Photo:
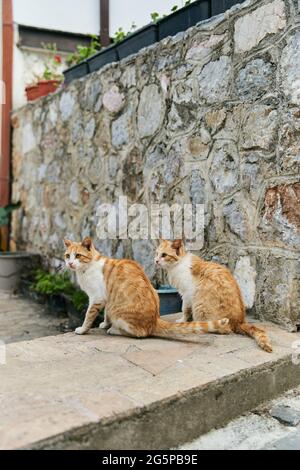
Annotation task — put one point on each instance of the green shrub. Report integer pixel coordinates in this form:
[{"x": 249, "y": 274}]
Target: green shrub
[{"x": 58, "y": 284}]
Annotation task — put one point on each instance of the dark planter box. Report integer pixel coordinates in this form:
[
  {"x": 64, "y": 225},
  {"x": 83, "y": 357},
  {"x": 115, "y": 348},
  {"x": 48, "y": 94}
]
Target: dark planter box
[
  {"x": 77, "y": 71},
  {"x": 135, "y": 42},
  {"x": 219, "y": 6},
  {"x": 26, "y": 290},
  {"x": 56, "y": 305},
  {"x": 184, "y": 18},
  {"x": 170, "y": 300},
  {"x": 107, "y": 56}
]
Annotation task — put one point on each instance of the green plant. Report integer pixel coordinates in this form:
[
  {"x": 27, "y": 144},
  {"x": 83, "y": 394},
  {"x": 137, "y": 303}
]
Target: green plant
[
  {"x": 59, "y": 284},
  {"x": 121, "y": 34},
  {"x": 52, "y": 284},
  {"x": 79, "y": 299},
  {"x": 84, "y": 52},
  {"x": 155, "y": 17},
  {"x": 5, "y": 213}
]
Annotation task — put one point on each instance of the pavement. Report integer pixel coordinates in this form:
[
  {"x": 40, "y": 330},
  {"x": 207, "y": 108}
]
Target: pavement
[
  {"x": 22, "y": 319},
  {"x": 104, "y": 392},
  {"x": 273, "y": 426}
]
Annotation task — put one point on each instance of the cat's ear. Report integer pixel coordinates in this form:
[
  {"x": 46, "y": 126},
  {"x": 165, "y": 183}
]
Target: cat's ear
[
  {"x": 67, "y": 242},
  {"x": 87, "y": 243},
  {"x": 177, "y": 245}
]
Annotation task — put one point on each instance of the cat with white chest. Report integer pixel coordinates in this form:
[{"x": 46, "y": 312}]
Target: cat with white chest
[{"x": 131, "y": 303}]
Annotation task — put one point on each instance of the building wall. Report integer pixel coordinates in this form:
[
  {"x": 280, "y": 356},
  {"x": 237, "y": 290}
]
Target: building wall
[
  {"x": 29, "y": 63},
  {"x": 210, "y": 116},
  {"x": 75, "y": 16},
  {"x": 124, "y": 13}
]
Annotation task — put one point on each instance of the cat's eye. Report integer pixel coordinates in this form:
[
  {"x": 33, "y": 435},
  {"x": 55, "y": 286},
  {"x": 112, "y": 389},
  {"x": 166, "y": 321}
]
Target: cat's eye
[
  {"x": 164, "y": 255},
  {"x": 77, "y": 256},
  {"x": 68, "y": 256}
]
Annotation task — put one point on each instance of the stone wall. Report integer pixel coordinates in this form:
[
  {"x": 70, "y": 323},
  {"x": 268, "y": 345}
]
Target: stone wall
[{"x": 209, "y": 116}]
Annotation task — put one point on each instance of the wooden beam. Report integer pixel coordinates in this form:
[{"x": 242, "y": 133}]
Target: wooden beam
[
  {"x": 30, "y": 36},
  {"x": 104, "y": 23}
]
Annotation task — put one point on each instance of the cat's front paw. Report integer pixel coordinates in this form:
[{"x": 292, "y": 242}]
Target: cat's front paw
[
  {"x": 80, "y": 331},
  {"x": 180, "y": 320},
  {"x": 104, "y": 325}
]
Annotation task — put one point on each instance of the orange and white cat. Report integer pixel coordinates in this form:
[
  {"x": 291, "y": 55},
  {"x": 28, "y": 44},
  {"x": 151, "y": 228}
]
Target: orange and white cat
[
  {"x": 123, "y": 289},
  {"x": 209, "y": 291}
]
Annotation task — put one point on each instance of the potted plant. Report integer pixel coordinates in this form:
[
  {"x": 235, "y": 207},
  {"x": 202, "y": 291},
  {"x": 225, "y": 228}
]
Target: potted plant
[
  {"x": 60, "y": 295},
  {"x": 77, "y": 62},
  {"x": 169, "y": 299},
  {"x": 50, "y": 79},
  {"x": 11, "y": 263}
]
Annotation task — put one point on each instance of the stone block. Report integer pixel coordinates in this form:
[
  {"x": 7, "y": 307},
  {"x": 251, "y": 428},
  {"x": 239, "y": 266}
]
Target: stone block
[
  {"x": 286, "y": 415},
  {"x": 252, "y": 28}
]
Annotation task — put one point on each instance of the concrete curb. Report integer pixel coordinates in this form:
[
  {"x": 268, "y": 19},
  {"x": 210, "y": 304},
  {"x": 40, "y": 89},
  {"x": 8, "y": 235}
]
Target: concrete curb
[{"x": 185, "y": 416}]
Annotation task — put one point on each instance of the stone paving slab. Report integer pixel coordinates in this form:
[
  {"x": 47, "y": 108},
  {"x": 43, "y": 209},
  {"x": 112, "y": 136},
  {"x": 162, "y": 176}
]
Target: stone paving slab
[
  {"x": 104, "y": 392},
  {"x": 21, "y": 319}
]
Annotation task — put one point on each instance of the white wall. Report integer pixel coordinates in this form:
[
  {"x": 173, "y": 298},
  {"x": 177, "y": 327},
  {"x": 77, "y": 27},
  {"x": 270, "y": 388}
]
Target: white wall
[
  {"x": 124, "y": 12},
  {"x": 75, "y": 16},
  {"x": 28, "y": 65},
  {"x": 83, "y": 16}
]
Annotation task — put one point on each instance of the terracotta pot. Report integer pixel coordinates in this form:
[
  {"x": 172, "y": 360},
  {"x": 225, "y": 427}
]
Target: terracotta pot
[
  {"x": 43, "y": 88},
  {"x": 32, "y": 92}
]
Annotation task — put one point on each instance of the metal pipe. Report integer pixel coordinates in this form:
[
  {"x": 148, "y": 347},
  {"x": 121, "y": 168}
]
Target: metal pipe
[
  {"x": 7, "y": 76},
  {"x": 104, "y": 23}
]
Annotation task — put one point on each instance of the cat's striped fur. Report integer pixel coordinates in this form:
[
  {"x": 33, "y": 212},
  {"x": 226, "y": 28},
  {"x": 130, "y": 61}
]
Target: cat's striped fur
[
  {"x": 209, "y": 290},
  {"x": 123, "y": 289}
]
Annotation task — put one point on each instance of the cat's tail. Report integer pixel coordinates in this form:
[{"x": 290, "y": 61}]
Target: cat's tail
[
  {"x": 166, "y": 329},
  {"x": 256, "y": 333}
]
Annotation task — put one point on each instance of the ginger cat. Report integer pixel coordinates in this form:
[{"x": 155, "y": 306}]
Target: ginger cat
[
  {"x": 209, "y": 290},
  {"x": 131, "y": 303}
]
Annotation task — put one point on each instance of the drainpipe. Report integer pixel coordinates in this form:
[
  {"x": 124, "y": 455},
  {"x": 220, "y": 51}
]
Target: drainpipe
[
  {"x": 7, "y": 71},
  {"x": 104, "y": 23}
]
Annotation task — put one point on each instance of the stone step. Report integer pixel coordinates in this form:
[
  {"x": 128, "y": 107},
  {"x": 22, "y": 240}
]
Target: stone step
[{"x": 104, "y": 392}]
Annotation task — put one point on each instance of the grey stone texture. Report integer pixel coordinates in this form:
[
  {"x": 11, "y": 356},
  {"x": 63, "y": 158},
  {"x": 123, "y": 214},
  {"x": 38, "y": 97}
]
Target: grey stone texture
[
  {"x": 286, "y": 415},
  {"x": 109, "y": 392},
  {"x": 210, "y": 116},
  {"x": 257, "y": 430}
]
